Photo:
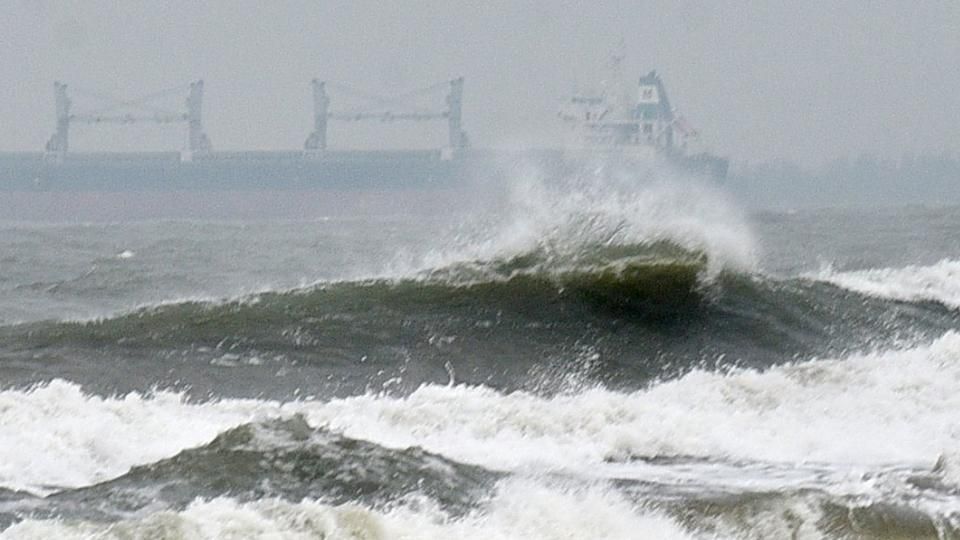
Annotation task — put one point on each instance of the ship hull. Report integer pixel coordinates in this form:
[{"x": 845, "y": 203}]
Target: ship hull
[
  {"x": 225, "y": 185},
  {"x": 250, "y": 185}
]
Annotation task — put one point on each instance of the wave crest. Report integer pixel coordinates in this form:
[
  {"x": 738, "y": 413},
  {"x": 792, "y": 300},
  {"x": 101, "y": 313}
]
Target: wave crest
[
  {"x": 572, "y": 217},
  {"x": 939, "y": 282}
]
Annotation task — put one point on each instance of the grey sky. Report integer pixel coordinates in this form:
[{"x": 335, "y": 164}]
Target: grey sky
[{"x": 808, "y": 80}]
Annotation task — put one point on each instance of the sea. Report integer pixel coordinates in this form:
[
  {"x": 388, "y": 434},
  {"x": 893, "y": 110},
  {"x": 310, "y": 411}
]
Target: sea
[{"x": 585, "y": 357}]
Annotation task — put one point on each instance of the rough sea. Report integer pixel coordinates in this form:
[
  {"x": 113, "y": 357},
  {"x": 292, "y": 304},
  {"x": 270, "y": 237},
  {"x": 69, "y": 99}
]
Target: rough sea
[{"x": 587, "y": 359}]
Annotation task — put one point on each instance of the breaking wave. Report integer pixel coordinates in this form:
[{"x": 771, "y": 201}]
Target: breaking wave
[
  {"x": 789, "y": 440},
  {"x": 622, "y": 315},
  {"x": 518, "y": 509},
  {"x": 936, "y": 283},
  {"x": 791, "y": 413}
]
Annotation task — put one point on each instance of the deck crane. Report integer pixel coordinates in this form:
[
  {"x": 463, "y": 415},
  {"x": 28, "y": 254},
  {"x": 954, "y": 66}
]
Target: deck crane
[
  {"x": 130, "y": 111},
  {"x": 397, "y": 108}
]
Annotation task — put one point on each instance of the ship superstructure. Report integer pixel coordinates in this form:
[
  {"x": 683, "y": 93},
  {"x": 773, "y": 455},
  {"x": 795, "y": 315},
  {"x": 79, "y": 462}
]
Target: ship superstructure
[{"x": 634, "y": 122}]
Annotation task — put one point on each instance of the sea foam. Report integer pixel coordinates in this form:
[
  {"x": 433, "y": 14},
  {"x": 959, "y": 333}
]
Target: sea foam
[
  {"x": 866, "y": 410},
  {"x": 939, "y": 282},
  {"x": 55, "y": 435},
  {"x": 891, "y": 407},
  {"x": 519, "y": 509}
]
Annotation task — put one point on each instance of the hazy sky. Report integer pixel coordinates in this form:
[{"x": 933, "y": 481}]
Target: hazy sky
[{"x": 807, "y": 80}]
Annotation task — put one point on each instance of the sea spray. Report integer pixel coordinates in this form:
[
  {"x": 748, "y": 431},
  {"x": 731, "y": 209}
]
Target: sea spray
[{"x": 563, "y": 216}]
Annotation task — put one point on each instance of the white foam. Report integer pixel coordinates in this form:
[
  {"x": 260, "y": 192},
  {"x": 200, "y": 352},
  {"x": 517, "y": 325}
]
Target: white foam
[
  {"x": 893, "y": 407},
  {"x": 57, "y": 436},
  {"x": 939, "y": 282},
  {"x": 897, "y": 407},
  {"x": 948, "y": 468},
  {"x": 519, "y": 510}
]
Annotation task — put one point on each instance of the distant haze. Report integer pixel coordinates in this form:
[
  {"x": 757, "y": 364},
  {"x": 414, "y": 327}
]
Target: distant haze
[{"x": 806, "y": 81}]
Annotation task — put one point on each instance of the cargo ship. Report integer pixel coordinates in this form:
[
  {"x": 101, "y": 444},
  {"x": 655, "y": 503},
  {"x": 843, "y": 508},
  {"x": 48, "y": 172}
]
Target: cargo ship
[{"x": 58, "y": 184}]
